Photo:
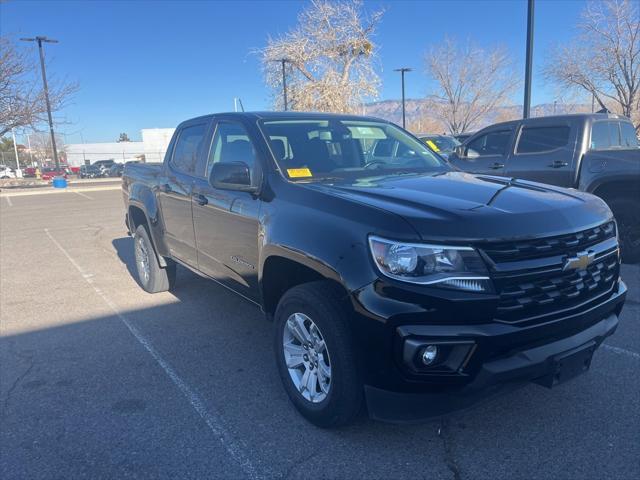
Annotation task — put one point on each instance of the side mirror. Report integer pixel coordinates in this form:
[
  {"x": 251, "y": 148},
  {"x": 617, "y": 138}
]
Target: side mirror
[
  {"x": 459, "y": 151},
  {"x": 231, "y": 176}
]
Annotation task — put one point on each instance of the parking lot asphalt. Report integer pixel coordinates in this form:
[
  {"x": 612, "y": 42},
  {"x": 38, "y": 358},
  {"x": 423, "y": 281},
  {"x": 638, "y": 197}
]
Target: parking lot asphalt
[{"x": 99, "y": 379}]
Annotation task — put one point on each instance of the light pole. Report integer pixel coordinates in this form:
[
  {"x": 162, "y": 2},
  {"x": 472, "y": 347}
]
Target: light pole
[
  {"x": 15, "y": 149},
  {"x": 40, "y": 41},
  {"x": 30, "y": 152},
  {"x": 402, "y": 71},
  {"x": 283, "y": 61},
  {"x": 529, "y": 61}
]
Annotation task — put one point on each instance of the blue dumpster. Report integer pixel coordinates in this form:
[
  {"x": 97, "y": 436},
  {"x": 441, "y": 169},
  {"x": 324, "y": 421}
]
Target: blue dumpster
[{"x": 59, "y": 182}]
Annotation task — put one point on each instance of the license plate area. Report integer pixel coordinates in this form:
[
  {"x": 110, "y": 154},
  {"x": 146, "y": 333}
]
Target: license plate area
[{"x": 568, "y": 365}]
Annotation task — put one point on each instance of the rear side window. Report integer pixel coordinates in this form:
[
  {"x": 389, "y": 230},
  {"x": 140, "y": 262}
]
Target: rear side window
[
  {"x": 628, "y": 135},
  {"x": 605, "y": 135},
  {"x": 542, "y": 139},
  {"x": 493, "y": 143},
  {"x": 185, "y": 153}
]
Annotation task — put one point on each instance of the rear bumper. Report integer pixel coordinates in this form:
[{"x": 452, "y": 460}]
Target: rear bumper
[{"x": 532, "y": 357}]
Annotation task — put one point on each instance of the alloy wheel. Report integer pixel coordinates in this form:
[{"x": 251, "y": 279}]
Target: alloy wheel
[{"x": 307, "y": 357}]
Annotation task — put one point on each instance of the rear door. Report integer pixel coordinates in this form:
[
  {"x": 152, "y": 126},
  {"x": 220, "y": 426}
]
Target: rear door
[
  {"x": 226, "y": 222},
  {"x": 486, "y": 152},
  {"x": 175, "y": 189},
  {"x": 544, "y": 152}
]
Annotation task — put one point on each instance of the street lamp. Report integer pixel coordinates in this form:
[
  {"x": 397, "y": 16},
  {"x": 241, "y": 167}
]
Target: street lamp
[
  {"x": 528, "y": 61},
  {"x": 402, "y": 71},
  {"x": 283, "y": 61},
  {"x": 40, "y": 41}
]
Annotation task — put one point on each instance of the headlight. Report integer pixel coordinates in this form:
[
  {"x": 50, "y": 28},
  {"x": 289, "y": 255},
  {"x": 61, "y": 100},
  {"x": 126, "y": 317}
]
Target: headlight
[{"x": 460, "y": 268}]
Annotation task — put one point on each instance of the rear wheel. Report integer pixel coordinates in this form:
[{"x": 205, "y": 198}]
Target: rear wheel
[
  {"x": 315, "y": 355},
  {"x": 151, "y": 276},
  {"x": 627, "y": 214}
]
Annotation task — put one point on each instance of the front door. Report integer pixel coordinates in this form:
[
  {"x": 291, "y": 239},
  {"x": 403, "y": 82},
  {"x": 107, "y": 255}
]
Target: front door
[
  {"x": 226, "y": 222},
  {"x": 175, "y": 189},
  {"x": 544, "y": 153},
  {"x": 485, "y": 153}
]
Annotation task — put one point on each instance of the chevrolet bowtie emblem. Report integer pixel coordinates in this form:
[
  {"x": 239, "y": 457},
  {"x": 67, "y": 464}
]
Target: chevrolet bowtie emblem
[{"x": 580, "y": 262}]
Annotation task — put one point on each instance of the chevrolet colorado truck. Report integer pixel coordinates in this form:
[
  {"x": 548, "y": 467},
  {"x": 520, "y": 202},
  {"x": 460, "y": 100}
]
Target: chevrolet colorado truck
[
  {"x": 393, "y": 282},
  {"x": 597, "y": 153}
]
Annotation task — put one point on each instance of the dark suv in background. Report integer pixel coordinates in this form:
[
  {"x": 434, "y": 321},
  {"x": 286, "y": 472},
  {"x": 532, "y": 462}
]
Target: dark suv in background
[{"x": 595, "y": 153}]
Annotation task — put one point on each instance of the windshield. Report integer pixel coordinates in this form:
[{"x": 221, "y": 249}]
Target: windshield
[
  {"x": 335, "y": 148},
  {"x": 443, "y": 143}
]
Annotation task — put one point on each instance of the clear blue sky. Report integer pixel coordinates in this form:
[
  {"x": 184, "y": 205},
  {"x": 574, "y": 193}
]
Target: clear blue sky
[{"x": 152, "y": 64}]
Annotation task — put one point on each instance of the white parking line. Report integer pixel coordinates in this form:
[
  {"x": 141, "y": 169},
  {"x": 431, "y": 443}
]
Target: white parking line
[
  {"x": 621, "y": 351},
  {"x": 9, "y": 201},
  {"x": 81, "y": 194},
  {"x": 212, "y": 419}
]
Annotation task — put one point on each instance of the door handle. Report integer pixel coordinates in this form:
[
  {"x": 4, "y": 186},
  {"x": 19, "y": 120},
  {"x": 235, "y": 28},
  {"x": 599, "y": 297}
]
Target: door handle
[
  {"x": 200, "y": 199},
  {"x": 164, "y": 188},
  {"x": 496, "y": 166},
  {"x": 559, "y": 164}
]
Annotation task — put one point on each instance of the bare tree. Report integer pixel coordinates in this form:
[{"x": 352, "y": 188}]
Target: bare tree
[
  {"x": 604, "y": 58},
  {"x": 471, "y": 82},
  {"x": 329, "y": 58},
  {"x": 41, "y": 147},
  {"x": 22, "y": 101}
]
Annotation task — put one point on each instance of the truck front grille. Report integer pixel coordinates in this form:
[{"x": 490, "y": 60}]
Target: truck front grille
[
  {"x": 547, "y": 247},
  {"x": 542, "y": 294}
]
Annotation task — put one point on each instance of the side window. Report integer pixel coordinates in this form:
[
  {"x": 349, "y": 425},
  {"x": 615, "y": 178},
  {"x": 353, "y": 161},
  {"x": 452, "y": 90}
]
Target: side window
[
  {"x": 614, "y": 134},
  {"x": 600, "y": 136},
  {"x": 231, "y": 143},
  {"x": 185, "y": 153},
  {"x": 628, "y": 134},
  {"x": 605, "y": 135},
  {"x": 542, "y": 139},
  {"x": 493, "y": 143}
]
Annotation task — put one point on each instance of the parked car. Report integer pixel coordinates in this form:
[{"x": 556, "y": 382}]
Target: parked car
[
  {"x": 595, "y": 153},
  {"x": 49, "y": 172},
  {"x": 116, "y": 170},
  {"x": 441, "y": 144},
  {"x": 104, "y": 165},
  {"x": 393, "y": 278},
  {"x": 6, "y": 172},
  {"x": 90, "y": 171}
]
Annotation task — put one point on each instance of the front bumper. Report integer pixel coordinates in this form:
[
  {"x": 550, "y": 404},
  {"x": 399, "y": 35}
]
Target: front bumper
[{"x": 504, "y": 357}]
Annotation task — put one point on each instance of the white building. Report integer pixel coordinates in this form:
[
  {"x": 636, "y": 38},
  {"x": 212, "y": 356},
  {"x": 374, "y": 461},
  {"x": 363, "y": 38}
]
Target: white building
[
  {"x": 156, "y": 141},
  {"x": 153, "y": 146}
]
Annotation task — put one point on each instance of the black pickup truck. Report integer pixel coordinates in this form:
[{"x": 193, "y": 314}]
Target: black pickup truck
[
  {"x": 393, "y": 281},
  {"x": 596, "y": 153}
]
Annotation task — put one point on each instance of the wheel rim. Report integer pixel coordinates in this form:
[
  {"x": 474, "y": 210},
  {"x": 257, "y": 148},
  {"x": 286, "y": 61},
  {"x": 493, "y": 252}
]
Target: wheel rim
[
  {"x": 307, "y": 357},
  {"x": 142, "y": 257}
]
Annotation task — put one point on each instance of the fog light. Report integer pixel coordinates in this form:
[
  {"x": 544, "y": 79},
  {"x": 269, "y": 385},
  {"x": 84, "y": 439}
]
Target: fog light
[{"x": 429, "y": 354}]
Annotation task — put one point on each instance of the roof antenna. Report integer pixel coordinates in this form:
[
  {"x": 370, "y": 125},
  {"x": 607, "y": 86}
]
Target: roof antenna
[{"x": 241, "y": 105}]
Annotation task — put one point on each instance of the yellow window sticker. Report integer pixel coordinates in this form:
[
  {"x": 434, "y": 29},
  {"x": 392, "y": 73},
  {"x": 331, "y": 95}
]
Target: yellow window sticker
[
  {"x": 433, "y": 146},
  {"x": 299, "y": 172}
]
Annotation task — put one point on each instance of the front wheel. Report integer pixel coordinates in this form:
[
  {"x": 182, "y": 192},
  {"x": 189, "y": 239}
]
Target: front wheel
[
  {"x": 316, "y": 356},
  {"x": 627, "y": 214},
  {"x": 151, "y": 276}
]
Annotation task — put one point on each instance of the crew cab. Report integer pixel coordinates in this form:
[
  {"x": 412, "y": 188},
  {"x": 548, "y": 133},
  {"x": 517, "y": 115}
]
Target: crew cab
[
  {"x": 596, "y": 153},
  {"x": 392, "y": 280}
]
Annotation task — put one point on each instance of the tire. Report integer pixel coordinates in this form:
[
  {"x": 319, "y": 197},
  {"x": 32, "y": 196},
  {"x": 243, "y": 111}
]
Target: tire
[
  {"x": 627, "y": 214},
  {"x": 151, "y": 276},
  {"x": 338, "y": 401}
]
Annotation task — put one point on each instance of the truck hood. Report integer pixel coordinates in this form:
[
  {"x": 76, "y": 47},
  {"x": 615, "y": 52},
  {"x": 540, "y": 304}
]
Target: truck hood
[{"x": 458, "y": 206}]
